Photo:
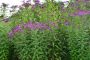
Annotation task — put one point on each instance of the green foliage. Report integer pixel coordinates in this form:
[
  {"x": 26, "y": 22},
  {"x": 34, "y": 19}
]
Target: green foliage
[
  {"x": 4, "y": 46},
  {"x": 78, "y": 45},
  {"x": 37, "y": 45},
  {"x": 70, "y": 40}
]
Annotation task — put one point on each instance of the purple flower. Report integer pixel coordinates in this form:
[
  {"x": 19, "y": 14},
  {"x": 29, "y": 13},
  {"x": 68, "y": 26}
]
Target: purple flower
[
  {"x": 36, "y": 25},
  {"x": 80, "y": 13},
  {"x": 37, "y": 2},
  {"x": 29, "y": 25},
  {"x": 17, "y": 29},
  {"x": 44, "y": 26}
]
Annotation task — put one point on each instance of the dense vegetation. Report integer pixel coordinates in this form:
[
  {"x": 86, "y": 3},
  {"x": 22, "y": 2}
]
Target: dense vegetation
[{"x": 47, "y": 32}]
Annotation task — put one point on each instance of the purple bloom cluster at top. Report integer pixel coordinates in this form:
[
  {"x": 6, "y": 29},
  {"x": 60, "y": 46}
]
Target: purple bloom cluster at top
[
  {"x": 80, "y": 13},
  {"x": 36, "y": 25},
  {"x": 28, "y": 25}
]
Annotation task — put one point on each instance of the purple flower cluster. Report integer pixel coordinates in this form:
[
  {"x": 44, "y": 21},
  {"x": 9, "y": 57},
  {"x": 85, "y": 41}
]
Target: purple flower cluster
[
  {"x": 36, "y": 25},
  {"x": 80, "y": 13},
  {"x": 15, "y": 30},
  {"x": 28, "y": 25}
]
